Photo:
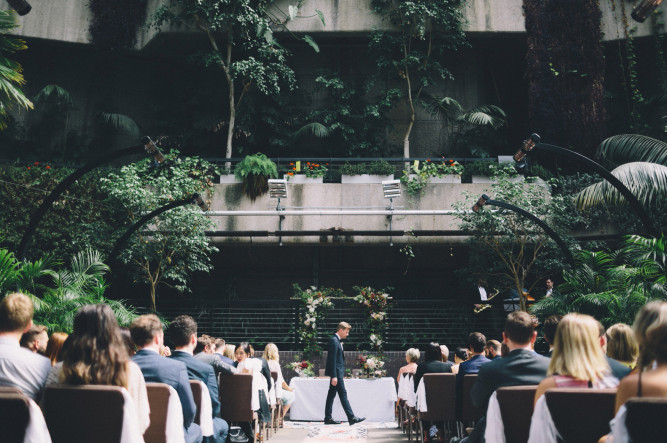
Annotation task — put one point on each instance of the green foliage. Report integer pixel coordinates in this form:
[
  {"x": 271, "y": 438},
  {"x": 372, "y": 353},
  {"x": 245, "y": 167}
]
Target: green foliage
[
  {"x": 376, "y": 302},
  {"x": 625, "y": 148},
  {"x": 415, "y": 177},
  {"x": 11, "y": 77},
  {"x": 315, "y": 304},
  {"x": 115, "y": 23},
  {"x": 255, "y": 171},
  {"x": 379, "y": 167}
]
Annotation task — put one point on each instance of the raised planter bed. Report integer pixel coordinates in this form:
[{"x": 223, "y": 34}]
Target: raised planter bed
[
  {"x": 302, "y": 179},
  {"x": 365, "y": 178}
]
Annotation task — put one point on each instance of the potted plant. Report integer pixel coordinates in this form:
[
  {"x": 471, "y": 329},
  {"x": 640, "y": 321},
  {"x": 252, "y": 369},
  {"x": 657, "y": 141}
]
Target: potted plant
[
  {"x": 312, "y": 172},
  {"x": 481, "y": 171},
  {"x": 255, "y": 171},
  {"x": 375, "y": 172},
  {"x": 417, "y": 176}
]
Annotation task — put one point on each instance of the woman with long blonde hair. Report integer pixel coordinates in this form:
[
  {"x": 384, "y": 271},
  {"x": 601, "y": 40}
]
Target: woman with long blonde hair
[{"x": 283, "y": 391}]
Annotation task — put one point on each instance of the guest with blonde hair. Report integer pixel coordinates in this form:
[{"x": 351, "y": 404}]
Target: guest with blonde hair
[
  {"x": 229, "y": 351},
  {"x": 283, "y": 391},
  {"x": 411, "y": 358},
  {"x": 622, "y": 345},
  {"x": 54, "y": 347}
]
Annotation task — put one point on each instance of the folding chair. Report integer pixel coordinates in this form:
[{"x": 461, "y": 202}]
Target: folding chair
[
  {"x": 204, "y": 414},
  {"x": 469, "y": 413},
  {"x": 166, "y": 414},
  {"x": 440, "y": 402},
  {"x": 581, "y": 415},
  {"x": 14, "y": 415},
  {"x": 516, "y": 408},
  {"x": 236, "y": 400},
  {"x": 645, "y": 418},
  {"x": 277, "y": 415}
]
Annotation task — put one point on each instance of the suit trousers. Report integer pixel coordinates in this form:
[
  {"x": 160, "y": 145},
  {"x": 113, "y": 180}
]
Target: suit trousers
[{"x": 342, "y": 396}]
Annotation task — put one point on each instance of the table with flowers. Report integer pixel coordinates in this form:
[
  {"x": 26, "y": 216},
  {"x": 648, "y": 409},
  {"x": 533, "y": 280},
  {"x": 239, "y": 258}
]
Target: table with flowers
[{"x": 373, "y": 398}]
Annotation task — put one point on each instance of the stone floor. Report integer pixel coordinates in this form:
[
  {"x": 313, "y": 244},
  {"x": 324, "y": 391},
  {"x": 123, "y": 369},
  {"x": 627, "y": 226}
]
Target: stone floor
[{"x": 311, "y": 432}]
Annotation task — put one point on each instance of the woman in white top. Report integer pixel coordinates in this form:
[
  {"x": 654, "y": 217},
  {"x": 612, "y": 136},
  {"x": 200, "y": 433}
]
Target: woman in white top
[
  {"x": 283, "y": 392},
  {"x": 260, "y": 388}
]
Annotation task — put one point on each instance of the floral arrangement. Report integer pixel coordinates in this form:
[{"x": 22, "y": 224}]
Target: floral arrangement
[
  {"x": 377, "y": 304},
  {"x": 371, "y": 365},
  {"x": 310, "y": 170},
  {"x": 315, "y": 303},
  {"x": 422, "y": 175},
  {"x": 303, "y": 368}
]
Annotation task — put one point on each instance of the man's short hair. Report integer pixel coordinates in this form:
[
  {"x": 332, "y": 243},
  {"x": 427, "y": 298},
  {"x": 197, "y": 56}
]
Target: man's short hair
[
  {"x": 220, "y": 344},
  {"x": 144, "y": 329},
  {"x": 343, "y": 325},
  {"x": 495, "y": 345},
  {"x": 549, "y": 327},
  {"x": 202, "y": 342},
  {"x": 31, "y": 335},
  {"x": 181, "y": 330},
  {"x": 519, "y": 327},
  {"x": 477, "y": 341},
  {"x": 16, "y": 312}
]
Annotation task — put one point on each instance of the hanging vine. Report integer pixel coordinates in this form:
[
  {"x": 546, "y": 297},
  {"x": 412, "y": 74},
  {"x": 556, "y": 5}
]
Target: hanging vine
[{"x": 116, "y": 22}]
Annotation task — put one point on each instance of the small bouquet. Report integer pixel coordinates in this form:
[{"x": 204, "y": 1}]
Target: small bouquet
[
  {"x": 302, "y": 368},
  {"x": 372, "y": 366}
]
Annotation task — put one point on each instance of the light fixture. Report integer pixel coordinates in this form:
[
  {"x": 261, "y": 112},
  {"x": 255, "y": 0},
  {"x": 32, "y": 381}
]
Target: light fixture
[
  {"x": 277, "y": 188},
  {"x": 481, "y": 202},
  {"x": 391, "y": 188},
  {"x": 153, "y": 150},
  {"x": 528, "y": 146},
  {"x": 21, "y": 7},
  {"x": 200, "y": 202},
  {"x": 643, "y": 9}
]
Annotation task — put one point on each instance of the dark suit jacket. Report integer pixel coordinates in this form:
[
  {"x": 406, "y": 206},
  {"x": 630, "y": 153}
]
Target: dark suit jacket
[
  {"x": 467, "y": 367},
  {"x": 520, "y": 367},
  {"x": 158, "y": 369},
  {"x": 198, "y": 370},
  {"x": 266, "y": 372},
  {"x": 335, "y": 359},
  {"x": 618, "y": 369},
  {"x": 227, "y": 360},
  {"x": 431, "y": 367}
]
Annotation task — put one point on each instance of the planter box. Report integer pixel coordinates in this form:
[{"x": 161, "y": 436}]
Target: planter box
[
  {"x": 229, "y": 178},
  {"x": 449, "y": 178},
  {"x": 302, "y": 179},
  {"x": 483, "y": 179},
  {"x": 365, "y": 178}
]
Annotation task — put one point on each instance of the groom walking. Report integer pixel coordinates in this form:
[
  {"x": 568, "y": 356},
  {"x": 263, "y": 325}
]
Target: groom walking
[{"x": 336, "y": 370}]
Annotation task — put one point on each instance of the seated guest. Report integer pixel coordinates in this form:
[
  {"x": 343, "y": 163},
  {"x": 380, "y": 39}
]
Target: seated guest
[
  {"x": 127, "y": 338},
  {"x": 432, "y": 364},
  {"x": 230, "y": 351},
  {"x": 444, "y": 350},
  {"x": 650, "y": 377},
  {"x": 521, "y": 366},
  {"x": 148, "y": 336},
  {"x": 618, "y": 369},
  {"x": 493, "y": 349},
  {"x": 286, "y": 394},
  {"x": 183, "y": 333},
  {"x": 220, "y": 347},
  {"x": 476, "y": 345},
  {"x": 549, "y": 330},
  {"x": 266, "y": 372},
  {"x": 20, "y": 367},
  {"x": 35, "y": 339},
  {"x": 460, "y": 355},
  {"x": 54, "y": 347},
  {"x": 621, "y": 344},
  {"x": 260, "y": 392},
  {"x": 411, "y": 358},
  {"x": 204, "y": 353},
  {"x": 95, "y": 354}
]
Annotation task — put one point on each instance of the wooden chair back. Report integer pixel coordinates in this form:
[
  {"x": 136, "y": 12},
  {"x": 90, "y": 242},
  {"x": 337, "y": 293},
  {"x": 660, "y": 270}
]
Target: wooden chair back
[
  {"x": 468, "y": 410},
  {"x": 236, "y": 397},
  {"x": 516, "y": 409},
  {"x": 274, "y": 376},
  {"x": 440, "y": 397},
  {"x": 196, "y": 394},
  {"x": 581, "y": 415},
  {"x": 645, "y": 418},
  {"x": 158, "y": 401},
  {"x": 14, "y": 415},
  {"x": 86, "y": 413}
]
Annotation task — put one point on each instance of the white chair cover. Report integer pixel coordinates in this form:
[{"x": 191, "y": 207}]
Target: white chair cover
[
  {"x": 206, "y": 413},
  {"x": 175, "y": 432},
  {"x": 402, "y": 385},
  {"x": 272, "y": 393},
  {"x": 421, "y": 397},
  {"x": 495, "y": 429},
  {"x": 619, "y": 431},
  {"x": 542, "y": 427},
  {"x": 130, "y": 432},
  {"x": 36, "y": 431},
  {"x": 411, "y": 397}
]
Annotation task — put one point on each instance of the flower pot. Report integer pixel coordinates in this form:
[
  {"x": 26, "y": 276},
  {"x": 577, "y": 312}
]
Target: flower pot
[
  {"x": 365, "y": 178},
  {"x": 302, "y": 179},
  {"x": 229, "y": 178}
]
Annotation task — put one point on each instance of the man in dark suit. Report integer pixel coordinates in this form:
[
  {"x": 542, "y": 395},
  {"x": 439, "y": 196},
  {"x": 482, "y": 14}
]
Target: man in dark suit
[
  {"x": 204, "y": 353},
  {"x": 522, "y": 366},
  {"x": 432, "y": 364},
  {"x": 148, "y": 336},
  {"x": 336, "y": 370},
  {"x": 183, "y": 333},
  {"x": 493, "y": 349},
  {"x": 476, "y": 345}
]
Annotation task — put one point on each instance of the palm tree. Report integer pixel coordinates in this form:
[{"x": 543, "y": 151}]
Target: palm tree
[{"x": 11, "y": 78}]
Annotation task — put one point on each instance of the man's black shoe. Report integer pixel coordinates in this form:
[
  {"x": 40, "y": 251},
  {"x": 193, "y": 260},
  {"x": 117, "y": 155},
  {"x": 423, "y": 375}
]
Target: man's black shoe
[
  {"x": 355, "y": 420},
  {"x": 331, "y": 421}
]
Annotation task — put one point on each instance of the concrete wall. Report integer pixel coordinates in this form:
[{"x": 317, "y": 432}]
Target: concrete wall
[{"x": 69, "y": 21}]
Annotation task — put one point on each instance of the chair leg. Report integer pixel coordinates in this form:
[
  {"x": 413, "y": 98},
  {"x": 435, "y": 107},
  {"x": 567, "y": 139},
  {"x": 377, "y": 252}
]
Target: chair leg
[{"x": 421, "y": 431}]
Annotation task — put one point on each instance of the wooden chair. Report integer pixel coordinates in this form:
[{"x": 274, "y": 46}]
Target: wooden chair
[
  {"x": 166, "y": 414},
  {"x": 277, "y": 415},
  {"x": 516, "y": 409},
  {"x": 202, "y": 399},
  {"x": 645, "y": 419},
  {"x": 236, "y": 400},
  {"x": 581, "y": 415},
  {"x": 440, "y": 401},
  {"x": 469, "y": 412},
  {"x": 14, "y": 415},
  {"x": 82, "y": 414}
]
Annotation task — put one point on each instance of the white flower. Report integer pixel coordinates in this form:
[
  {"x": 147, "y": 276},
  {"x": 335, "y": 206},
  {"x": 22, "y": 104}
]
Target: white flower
[
  {"x": 311, "y": 309},
  {"x": 307, "y": 322}
]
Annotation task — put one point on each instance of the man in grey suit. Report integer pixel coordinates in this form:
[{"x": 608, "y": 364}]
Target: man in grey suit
[
  {"x": 522, "y": 366},
  {"x": 204, "y": 354},
  {"x": 336, "y": 370}
]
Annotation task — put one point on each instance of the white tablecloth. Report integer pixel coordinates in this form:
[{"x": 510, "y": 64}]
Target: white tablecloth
[{"x": 374, "y": 399}]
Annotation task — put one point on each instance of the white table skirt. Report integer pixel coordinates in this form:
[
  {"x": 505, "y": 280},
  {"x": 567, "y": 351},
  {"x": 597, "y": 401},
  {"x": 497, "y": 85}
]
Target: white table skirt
[{"x": 374, "y": 399}]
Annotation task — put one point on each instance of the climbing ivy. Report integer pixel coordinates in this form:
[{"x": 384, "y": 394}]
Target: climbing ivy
[{"x": 116, "y": 22}]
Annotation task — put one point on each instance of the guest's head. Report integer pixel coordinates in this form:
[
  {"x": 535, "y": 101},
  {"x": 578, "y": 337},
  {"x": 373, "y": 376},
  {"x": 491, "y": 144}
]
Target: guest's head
[
  {"x": 444, "y": 350},
  {"x": 35, "y": 339},
  {"x": 651, "y": 333},
  {"x": 549, "y": 328},
  {"x": 271, "y": 352},
  {"x": 219, "y": 345},
  {"x": 343, "y": 329},
  {"x": 146, "y": 331},
  {"x": 433, "y": 352},
  {"x": 129, "y": 343},
  {"x": 504, "y": 350},
  {"x": 476, "y": 342},
  {"x": 203, "y": 345},
  {"x": 519, "y": 330},
  {"x": 412, "y": 355},
  {"x": 242, "y": 351},
  {"x": 15, "y": 313},
  {"x": 492, "y": 348},
  {"x": 95, "y": 352},
  {"x": 577, "y": 351},
  {"x": 183, "y": 333},
  {"x": 229, "y": 351},
  {"x": 460, "y": 355},
  {"x": 621, "y": 343},
  {"x": 55, "y": 346}
]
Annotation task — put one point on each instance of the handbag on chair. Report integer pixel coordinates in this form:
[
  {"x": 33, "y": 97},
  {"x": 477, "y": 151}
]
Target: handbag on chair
[{"x": 236, "y": 435}]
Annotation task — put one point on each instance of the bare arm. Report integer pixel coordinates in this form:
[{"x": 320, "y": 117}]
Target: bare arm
[{"x": 545, "y": 384}]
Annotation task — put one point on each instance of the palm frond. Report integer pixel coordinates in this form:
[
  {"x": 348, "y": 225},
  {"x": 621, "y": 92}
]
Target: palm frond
[
  {"x": 9, "y": 271},
  {"x": 625, "y": 148},
  {"x": 120, "y": 122},
  {"x": 316, "y": 129},
  {"x": 647, "y": 181},
  {"x": 443, "y": 107},
  {"x": 54, "y": 94},
  {"x": 485, "y": 115},
  {"x": 89, "y": 262}
]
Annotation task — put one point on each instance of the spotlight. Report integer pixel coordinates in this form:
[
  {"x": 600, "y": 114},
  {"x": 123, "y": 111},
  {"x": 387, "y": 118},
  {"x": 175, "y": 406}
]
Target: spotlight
[
  {"x": 153, "y": 150},
  {"x": 277, "y": 188},
  {"x": 481, "y": 202},
  {"x": 21, "y": 7},
  {"x": 643, "y": 9},
  {"x": 528, "y": 146}
]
